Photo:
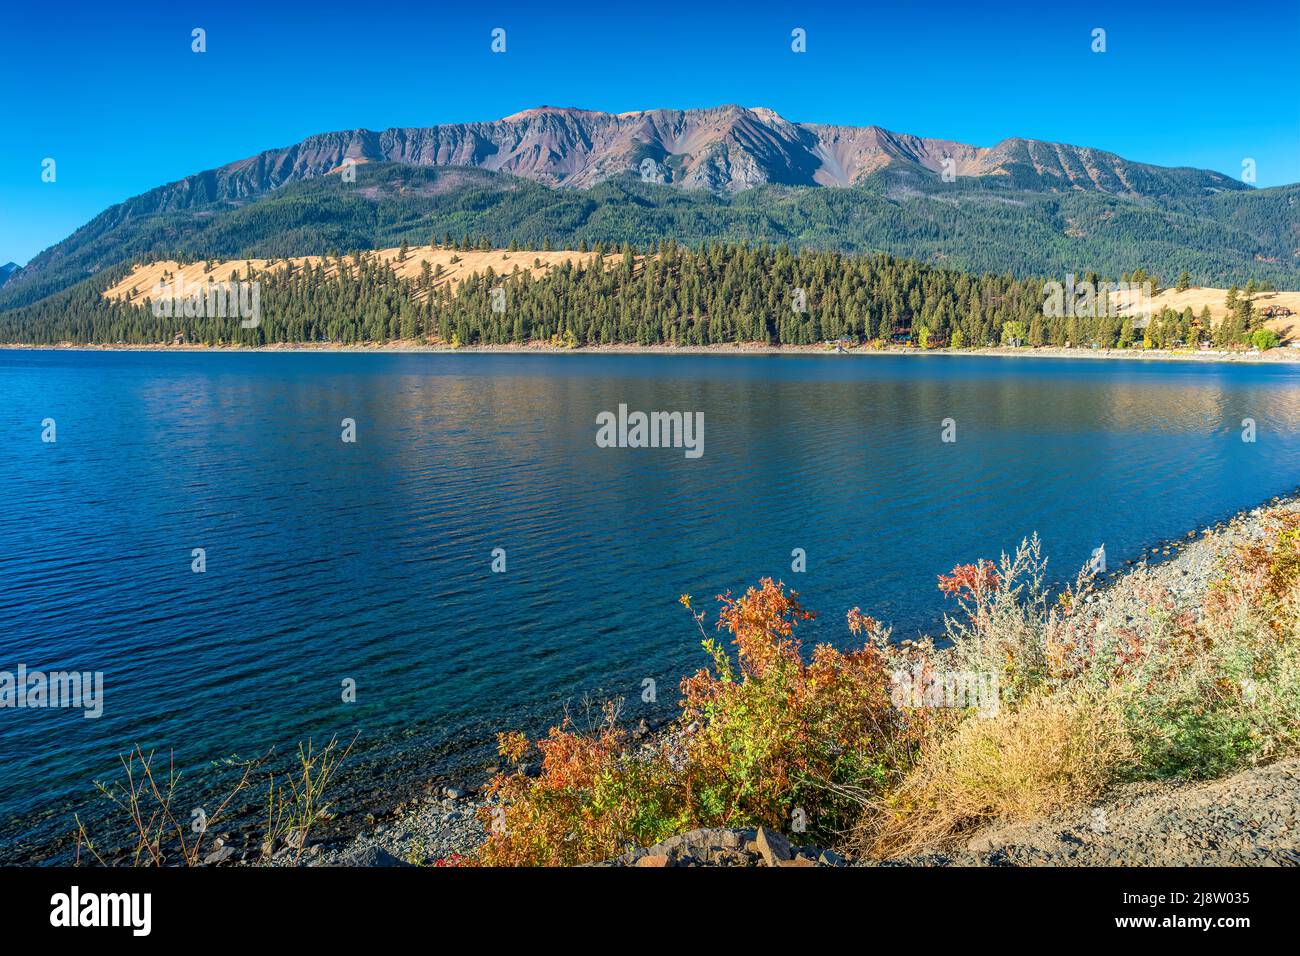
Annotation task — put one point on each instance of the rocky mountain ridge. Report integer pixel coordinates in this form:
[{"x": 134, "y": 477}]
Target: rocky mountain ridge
[{"x": 722, "y": 149}]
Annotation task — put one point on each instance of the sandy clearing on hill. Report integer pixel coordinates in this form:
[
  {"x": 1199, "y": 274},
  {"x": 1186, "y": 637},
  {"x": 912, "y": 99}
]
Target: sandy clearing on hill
[
  {"x": 1199, "y": 297},
  {"x": 143, "y": 278}
]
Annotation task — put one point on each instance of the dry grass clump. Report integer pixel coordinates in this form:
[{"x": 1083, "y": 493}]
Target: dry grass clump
[
  {"x": 1139, "y": 688},
  {"x": 1051, "y": 752}
]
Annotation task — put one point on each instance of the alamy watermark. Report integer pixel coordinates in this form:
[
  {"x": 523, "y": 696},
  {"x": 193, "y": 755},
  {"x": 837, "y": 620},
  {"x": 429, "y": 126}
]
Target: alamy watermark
[
  {"x": 1092, "y": 300},
  {"x": 922, "y": 686},
  {"x": 651, "y": 430},
  {"x": 208, "y": 300},
  {"x": 36, "y": 689},
  {"x": 74, "y": 909}
]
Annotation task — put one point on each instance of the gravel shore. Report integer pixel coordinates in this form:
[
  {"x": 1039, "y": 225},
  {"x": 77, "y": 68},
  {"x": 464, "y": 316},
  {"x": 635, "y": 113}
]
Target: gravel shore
[
  {"x": 1238, "y": 356},
  {"x": 435, "y": 828},
  {"x": 1180, "y": 571}
]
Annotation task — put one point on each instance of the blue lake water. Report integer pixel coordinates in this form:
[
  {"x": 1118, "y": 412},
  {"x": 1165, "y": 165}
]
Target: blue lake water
[{"x": 371, "y": 560}]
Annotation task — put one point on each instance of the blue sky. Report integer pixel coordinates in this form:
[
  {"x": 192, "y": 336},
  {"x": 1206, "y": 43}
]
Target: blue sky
[{"x": 122, "y": 104}]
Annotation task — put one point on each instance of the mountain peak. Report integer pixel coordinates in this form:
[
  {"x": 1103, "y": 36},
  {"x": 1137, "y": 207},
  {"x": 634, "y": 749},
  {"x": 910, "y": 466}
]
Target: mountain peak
[
  {"x": 547, "y": 111},
  {"x": 725, "y": 148}
]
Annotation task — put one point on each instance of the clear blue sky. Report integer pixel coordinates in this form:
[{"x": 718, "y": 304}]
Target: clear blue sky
[{"x": 123, "y": 105}]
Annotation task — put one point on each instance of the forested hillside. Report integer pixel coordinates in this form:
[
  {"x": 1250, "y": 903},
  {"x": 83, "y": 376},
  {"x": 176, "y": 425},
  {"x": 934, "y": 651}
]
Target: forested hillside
[
  {"x": 669, "y": 293},
  {"x": 976, "y": 224}
]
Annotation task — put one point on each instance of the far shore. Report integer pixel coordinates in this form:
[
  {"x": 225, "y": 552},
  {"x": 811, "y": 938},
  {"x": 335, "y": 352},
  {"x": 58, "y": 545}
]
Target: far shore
[{"x": 1283, "y": 354}]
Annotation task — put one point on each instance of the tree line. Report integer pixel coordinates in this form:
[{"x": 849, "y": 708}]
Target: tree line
[{"x": 663, "y": 294}]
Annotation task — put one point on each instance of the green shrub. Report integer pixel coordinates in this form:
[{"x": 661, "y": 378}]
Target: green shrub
[{"x": 1264, "y": 339}]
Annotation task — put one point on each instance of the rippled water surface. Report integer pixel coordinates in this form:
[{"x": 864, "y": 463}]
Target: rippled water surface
[{"x": 371, "y": 561}]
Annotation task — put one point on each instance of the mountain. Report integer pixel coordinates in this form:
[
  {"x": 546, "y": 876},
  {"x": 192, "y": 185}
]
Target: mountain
[
  {"x": 733, "y": 173},
  {"x": 728, "y": 148},
  {"x": 7, "y": 270}
]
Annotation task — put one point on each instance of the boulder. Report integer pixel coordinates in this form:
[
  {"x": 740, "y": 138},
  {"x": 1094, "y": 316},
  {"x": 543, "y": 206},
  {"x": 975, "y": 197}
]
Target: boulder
[
  {"x": 220, "y": 855},
  {"x": 372, "y": 856},
  {"x": 772, "y": 846}
]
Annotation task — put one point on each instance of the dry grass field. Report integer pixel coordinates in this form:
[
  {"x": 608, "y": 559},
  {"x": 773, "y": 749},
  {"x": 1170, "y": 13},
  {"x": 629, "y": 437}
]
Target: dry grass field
[
  {"x": 456, "y": 266},
  {"x": 1286, "y": 327}
]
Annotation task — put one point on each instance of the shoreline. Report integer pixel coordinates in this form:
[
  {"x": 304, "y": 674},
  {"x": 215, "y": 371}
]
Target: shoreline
[
  {"x": 445, "y": 824},
  {"x": 431, "y": 814},
  {"x": 1277, "y": 356}
]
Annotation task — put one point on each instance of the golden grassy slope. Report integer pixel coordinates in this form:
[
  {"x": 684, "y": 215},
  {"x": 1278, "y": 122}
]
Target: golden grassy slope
[
  {"x": 144, "y": 277},
  {"x": 1198, "y": 298}
]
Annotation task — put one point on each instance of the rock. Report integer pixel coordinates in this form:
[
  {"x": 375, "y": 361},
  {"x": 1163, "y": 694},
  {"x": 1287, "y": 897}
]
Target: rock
[
  {"x": 772, "y": 846},
  {"x": 797, "y": 861},
  {"x": 372, "y": 856},
  {"x": 454, "y": 793},
  {"x": 980, "y": 843},
  {"x": 220, "y": 855},
  {"x": 653, "y": 859},
  {"x": 669, "y": 847}
]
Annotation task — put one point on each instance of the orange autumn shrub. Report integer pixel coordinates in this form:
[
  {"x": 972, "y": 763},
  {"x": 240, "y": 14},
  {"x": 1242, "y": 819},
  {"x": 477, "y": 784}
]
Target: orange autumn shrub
[
  {"x": 763, "y": 738},
  {"x": 592, "y": 799},
  {"x": 779, "y": 736},
  {"x": 971, "y": 579}
]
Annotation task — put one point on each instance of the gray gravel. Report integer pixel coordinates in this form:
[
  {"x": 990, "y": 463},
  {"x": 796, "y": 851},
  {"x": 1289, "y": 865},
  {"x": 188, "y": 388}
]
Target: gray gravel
[
  {"x": 1180, "y": 570},
  {"x": 420, "y": 836},
  {"x": 1249, "y": 819}
]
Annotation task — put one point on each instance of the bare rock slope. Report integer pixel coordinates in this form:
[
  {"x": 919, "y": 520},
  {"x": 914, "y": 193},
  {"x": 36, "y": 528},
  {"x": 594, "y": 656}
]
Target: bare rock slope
[{"x": 724, "y": 148}]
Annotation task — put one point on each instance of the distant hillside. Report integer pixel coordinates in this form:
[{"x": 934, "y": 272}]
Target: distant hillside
[
  {"x": 7, "y": 270},
  {"x": 454, "y": 267},
  {"x": 726, "y": 174},
  {"x": 670, "y": 294}
]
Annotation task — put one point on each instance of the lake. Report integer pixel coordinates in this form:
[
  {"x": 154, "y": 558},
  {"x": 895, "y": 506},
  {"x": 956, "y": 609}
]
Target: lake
[{"x": 371, "y": 560}]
